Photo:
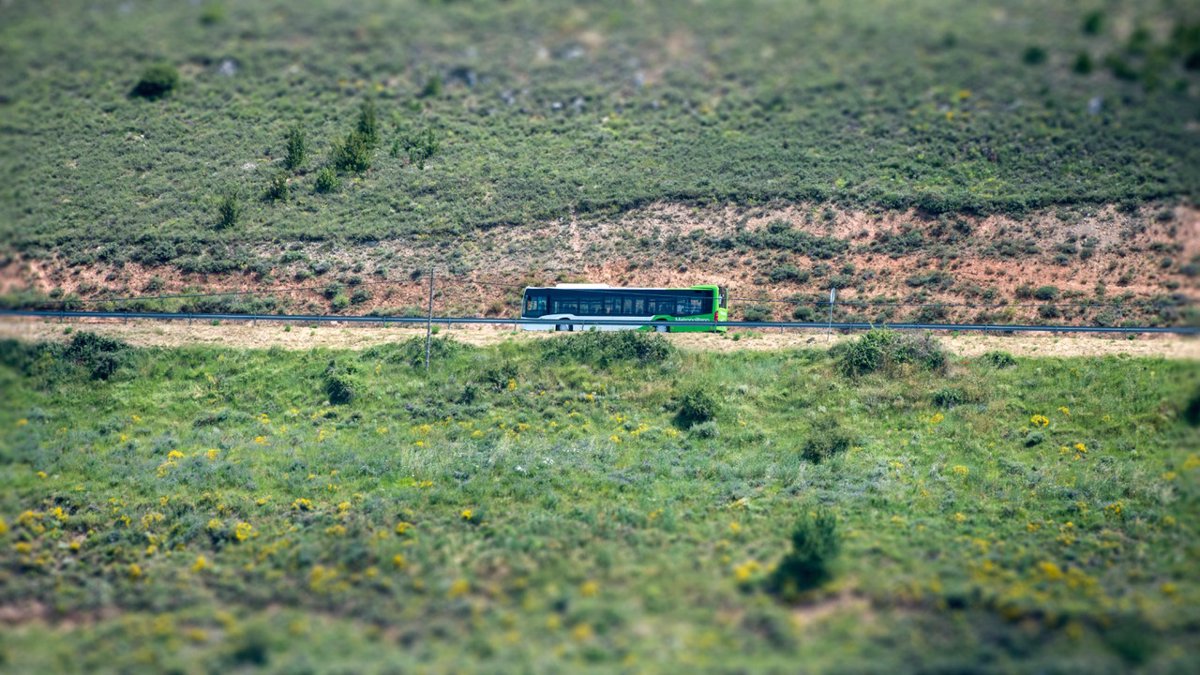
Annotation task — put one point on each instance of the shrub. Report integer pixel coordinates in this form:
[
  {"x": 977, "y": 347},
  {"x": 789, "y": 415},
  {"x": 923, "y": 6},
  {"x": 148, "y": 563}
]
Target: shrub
[
  {"x": 707, "y": 429},
  {"x": 432, "y": 88},
  {"x": 100, "y": 356},
  {"x": 497, "y": 377},
  {"x": 950, "y": 397},
  {"x": 788, "y": 272},
  {"x": 1034, "y": 55},
  {"x": 419, "y": 146},
  {"x": 1046, "y": 293},
  {"x": 603, "y": 348},
  {"x": 1093, "y": 22},
  {"x": 228, "y": 211},
  {"x": 757, "y": 313},
  {"x": 411, "y": 352},
  {"x": 277, "y": 188},
  {"x": 359, "y": 296},
  {"x": 327, "y": 180},
  {"x": 353, "y": 155},
  {"x": 815, "y": 545},
  {"x": 804, "y": 313},
  {"x": 827, "y": 440},
  {"x": 157, "y": 81},
  {"x": 339, "y": 302},
  {"x": 339, "y": 386},
  {"x": 1083, "y": 64},
  {"x": 296, "y": 149},
  {"x": 696, "y": 406},
  {"x": 1192, "y": 412},
  {"x": 886, "y": 351},
  {"x": 999, "y": 359}
]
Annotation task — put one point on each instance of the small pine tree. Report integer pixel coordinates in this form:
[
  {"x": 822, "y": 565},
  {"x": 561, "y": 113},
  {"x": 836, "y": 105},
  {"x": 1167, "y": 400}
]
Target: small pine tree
[
  {"x": 368, "y": 123},
  {"x": 228, "y": 211},
  {"x": 354, "y": 154},
  {"x": 297, "y": 148}
]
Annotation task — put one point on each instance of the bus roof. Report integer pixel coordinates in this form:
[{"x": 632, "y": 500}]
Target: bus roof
[{"x": 600, "y": 287}]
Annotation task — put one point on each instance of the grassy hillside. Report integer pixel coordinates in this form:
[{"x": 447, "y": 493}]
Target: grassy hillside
[
  {"x": 594, "y": 501},
  {"x": 510, "y": 113}
]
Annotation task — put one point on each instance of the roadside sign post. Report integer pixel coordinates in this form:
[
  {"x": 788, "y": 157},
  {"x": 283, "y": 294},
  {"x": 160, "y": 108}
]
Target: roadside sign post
[
  {"x": 429, "y": 323},
  {"x": 832, "y": 299}
]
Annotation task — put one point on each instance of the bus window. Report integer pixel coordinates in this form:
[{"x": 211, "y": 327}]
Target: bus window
[{"x": 724, "y": 296}]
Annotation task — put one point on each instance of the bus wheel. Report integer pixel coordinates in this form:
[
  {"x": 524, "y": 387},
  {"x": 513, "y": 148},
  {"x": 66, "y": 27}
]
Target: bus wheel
[{"x": 662, "y": 328}]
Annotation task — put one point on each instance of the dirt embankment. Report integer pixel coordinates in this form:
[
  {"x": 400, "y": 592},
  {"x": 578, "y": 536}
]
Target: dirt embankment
[
  {"x": 1082, "y": 265},
  {"x": 265, "y": 335}
]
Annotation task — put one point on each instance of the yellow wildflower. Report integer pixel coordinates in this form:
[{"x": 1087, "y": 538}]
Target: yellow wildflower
[
  {"x": 22, "y": 422},
  {"x": 3, "y": 527},
  {"x": 175, "y": 454},
  {"x": 242, "y": 531},
  {"x": 1051, "y": 571},
  {"x": 467, "y": 514},
  {"x": 746, "y": 570},
  {"x": 215, "y": 524},
  {"x": 41, "y": 474},
  {"x": 201, "y": 564},
  {"x": 403, "y": 527},
  {"x": 1080, "y": 447},
  {"x": 260, "y": 440},
  {"x": 212, "y": 454},
  {"x": 459, "y": 588},
  {"x": 1169, "y": 588},
  {"x": 960, "y": 518},
  {"x": 1065, "y": 410},
  {"x": 582, "y": 632},
  {"x": 135, "y": 571},
  {"x": 589, "y": 589},
  {"x": 336, "y": 530},
  {"x": 960, "y": 470},
  {"x": 398, "y": 560},
  {"x": 302, "y": 504},
  {"x": 343, "y": 507},
  {"x": 937, "y": 418},
  {"x": 1039, "y": 421}
]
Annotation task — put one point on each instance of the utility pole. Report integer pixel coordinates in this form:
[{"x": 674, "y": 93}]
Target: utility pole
[{"x": 429, "y": 323}]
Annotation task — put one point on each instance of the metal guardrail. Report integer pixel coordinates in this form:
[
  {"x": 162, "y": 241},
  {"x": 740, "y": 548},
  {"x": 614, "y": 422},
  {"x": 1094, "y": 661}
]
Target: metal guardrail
[{"x": 466, "y": 320}]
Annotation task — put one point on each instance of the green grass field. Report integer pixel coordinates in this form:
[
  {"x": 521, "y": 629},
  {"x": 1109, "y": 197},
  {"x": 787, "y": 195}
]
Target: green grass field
[
  {"x": 537, "y": 110},
  {"x": 593, "y": 502}
]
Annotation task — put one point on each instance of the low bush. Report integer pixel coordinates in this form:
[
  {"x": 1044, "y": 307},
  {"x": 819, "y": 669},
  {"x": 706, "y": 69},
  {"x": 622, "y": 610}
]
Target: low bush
[
  {"x": 327, "y": 180},
  {"x": 998, "y": 359},
  {"x": 100, "y": 356},
  {"x": 157, "y": 81},
  {"x": 339, "y": 384},
  {"x": 883, "y": 350},
  {"x": 826, "y": 440},
  {"x": 277, "y": 189},
  {"x": 697, "y": 405},
  {"x": 707, "y": 429},
  {"x": 1192, "y": 412},
  {"x": 603, "y": 348},
  {"x": 412, "y": 351},
  {"x": 815, "y": 546},
  {"x": 788, "y": 272},
  {"x": 757, "y": 313},
  {"x": 497, "y": 377}
]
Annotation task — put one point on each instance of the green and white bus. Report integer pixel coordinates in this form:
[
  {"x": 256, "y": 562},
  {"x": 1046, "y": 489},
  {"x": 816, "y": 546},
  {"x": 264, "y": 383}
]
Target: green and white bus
[{"x": 664, "y": 310}]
